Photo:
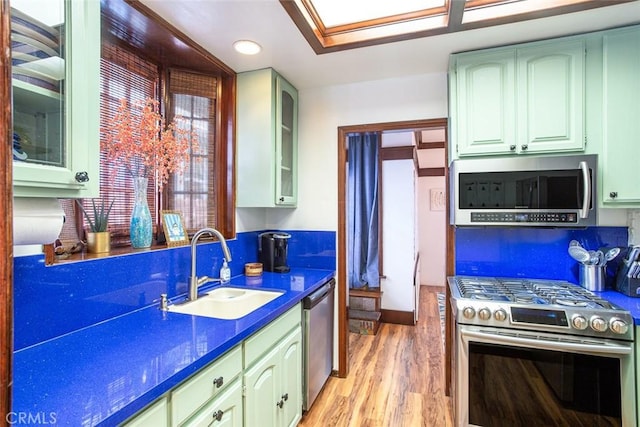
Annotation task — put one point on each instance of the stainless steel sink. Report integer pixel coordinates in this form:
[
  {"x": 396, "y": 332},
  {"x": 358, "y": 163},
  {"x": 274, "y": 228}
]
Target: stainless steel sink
[{"x": 226, "y": 303}]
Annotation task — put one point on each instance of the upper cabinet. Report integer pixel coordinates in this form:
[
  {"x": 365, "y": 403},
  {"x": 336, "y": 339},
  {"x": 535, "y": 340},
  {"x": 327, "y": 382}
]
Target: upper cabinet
[
  {"x": 621, "y": 117},
  {"x": 267, "y": 140},
  {"x": 517, "y": 100},
  {"x": 55, "y": 81}
]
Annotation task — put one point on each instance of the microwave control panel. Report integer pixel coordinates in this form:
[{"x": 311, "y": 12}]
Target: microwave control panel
[{"x": 521, "y": 217}]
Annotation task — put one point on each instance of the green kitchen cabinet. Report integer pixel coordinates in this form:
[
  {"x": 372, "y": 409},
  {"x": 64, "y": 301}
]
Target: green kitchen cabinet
[
  {"x": 267, "y": 140},
  {"x": 273, "y": 375},
  {"x": 223, "y": 411},
  {"x": 621, "y": 117},
  {"x": 519, "y": 100},
  {"x": 201, "y": 390},
  {"x": 155, "y": 415},
  {"x": 56, "y": 98},
  {"x": 485, "y": 115}
]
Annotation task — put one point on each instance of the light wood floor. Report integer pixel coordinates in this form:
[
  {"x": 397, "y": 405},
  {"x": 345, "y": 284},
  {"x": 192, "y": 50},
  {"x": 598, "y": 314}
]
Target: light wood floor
[{"x": 396, "y": 378}]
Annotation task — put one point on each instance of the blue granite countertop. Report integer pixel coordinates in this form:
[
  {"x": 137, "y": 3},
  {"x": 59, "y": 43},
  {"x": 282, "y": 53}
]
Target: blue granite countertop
[
  {"x": 628, "y": 303},
  {"x": 107, "y": 372}
]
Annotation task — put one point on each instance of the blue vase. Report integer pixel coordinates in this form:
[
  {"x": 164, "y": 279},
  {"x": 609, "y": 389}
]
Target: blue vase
[{"x": 141, "y": 228}]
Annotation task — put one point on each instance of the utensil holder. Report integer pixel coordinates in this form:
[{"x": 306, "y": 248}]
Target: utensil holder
[{"x": 592, "y": 277}]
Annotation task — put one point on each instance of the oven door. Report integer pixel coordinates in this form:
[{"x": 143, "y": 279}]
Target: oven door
[{"x": 508, "y": 378}]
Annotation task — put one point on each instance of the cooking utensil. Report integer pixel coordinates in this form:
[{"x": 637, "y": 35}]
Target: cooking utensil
[
  {"x": 579, "y": 253},
  {"x": 611, "y": 254}
]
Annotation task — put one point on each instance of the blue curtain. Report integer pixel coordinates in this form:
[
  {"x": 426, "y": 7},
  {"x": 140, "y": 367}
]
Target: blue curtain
[{"x": 362, "y": 210}]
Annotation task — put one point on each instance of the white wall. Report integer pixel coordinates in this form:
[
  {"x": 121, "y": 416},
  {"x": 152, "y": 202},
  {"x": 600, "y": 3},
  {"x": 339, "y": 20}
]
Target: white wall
[
  {"x": 432, "y": 228},
  {"x": 321, "y": 112}
]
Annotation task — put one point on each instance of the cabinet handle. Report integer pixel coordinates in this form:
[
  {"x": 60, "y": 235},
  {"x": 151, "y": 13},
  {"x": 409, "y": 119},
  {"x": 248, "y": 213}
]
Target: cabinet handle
[
  {"x": 285, "y": 397},
  {"x": 281, "y": 199},
  {"x": 524, "y": 147},
  {"x": 218, "y": 382},
  {"x": 217, "y": 416},
  {"x": 280, "y": 404},
  {"x": 613, "y": 194},
  {"x": 82, "y": 176},
  {"x": 512, "y": 147}
]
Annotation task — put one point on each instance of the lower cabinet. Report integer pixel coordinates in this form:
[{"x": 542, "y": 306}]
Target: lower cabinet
[
  {"x": 257, "y": 383},
  {"x": 274, "y": 385},
  {"x": 224, "y": 410},
  {"x": 154, "y": 415}
]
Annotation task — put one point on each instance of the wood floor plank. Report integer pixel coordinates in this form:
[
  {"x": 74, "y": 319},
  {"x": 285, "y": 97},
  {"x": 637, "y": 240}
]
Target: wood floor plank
[{"x": 396, "y": 378}]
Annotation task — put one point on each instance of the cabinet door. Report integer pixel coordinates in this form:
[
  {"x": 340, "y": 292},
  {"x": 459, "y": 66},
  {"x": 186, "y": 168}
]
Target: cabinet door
[
  {"x": 485, "y": 103},
  {"x": 551, "y": 97},
  {"x": 286, "y": 143},
  {"x": 291, "y": 350},
  {"x": 223, "y": 411},
  {"x": 155, "y": 415},
  {"x": 57, "y": 117},
  {"x": 262, "y": 391},
  {"x": 621, "y": 122}
]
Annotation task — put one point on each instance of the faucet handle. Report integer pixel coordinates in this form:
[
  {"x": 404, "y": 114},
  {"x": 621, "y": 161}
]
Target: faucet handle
[{"x": 164, "y": 302}]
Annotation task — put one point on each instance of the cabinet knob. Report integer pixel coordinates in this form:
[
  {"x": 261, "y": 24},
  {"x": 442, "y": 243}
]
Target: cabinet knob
[
  {"x": 82, "y": 176},
  {"x": 512, "y": 147},
  {"x": 280, "y": 404},
  {"x": 285, "y": 397},
  {"x": 524, "y": 147},
  {"x": 218, "y": 382},
  {"x": 281, "y": 199},
  {"x": 613, "y": 194},
  {"x": 217, "y": 416}
]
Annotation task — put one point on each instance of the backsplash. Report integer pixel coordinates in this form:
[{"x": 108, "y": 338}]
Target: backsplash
[
  {"x": 529, "y": 252},
  {"x": 55, "y": 300}
]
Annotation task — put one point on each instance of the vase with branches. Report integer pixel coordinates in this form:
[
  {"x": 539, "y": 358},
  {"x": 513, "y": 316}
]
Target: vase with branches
[{"x": 139, "y": 139}]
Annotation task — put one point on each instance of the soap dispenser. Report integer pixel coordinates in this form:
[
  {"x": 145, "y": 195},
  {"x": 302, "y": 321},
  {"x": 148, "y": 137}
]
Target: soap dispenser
[{"x": 225, "y": 272}]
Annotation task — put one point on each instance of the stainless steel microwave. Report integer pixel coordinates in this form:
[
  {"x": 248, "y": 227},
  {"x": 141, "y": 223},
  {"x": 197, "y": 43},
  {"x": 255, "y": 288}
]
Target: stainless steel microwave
[{"x": 553, "y": 191}]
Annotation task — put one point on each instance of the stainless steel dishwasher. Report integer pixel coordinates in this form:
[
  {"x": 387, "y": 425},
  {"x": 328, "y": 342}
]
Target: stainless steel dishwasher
[{"x": 318, "y": 341}]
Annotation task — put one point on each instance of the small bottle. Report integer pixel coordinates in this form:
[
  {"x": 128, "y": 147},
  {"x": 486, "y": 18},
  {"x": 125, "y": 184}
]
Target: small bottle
[{"x": 225, "y": 272}]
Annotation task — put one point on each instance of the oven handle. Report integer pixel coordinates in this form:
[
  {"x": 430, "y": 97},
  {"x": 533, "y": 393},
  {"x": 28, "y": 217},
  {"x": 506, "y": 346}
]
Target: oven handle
[
  {"x": 541, "y": 343},
  {"x": 586, "y": 198}
]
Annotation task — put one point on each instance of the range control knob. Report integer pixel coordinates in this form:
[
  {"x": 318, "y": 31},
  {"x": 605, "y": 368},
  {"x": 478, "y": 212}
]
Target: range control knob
[
  {"x": 468, "y": 312},
  {"x": 484, "y": 314},
  {"x": 500, "y": 315},
  {"x": 579, "y": 322},
  {"x": 598, "y": 324},
  {"x": 618, "y": 326}
]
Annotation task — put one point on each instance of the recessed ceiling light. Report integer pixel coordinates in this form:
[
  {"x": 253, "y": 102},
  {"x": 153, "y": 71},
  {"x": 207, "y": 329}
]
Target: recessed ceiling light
[{"x": 247, "y": 47}]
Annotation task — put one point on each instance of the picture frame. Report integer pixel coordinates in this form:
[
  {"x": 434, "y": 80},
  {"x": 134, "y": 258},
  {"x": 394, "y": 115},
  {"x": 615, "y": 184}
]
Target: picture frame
[{"x": 174, "y": 230}]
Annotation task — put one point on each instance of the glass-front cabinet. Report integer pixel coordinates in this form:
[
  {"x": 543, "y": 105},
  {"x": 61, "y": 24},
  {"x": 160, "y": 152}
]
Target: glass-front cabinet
[
  {"x": 286, "y": 147},
  {"x": 55, "y": 52},
  {"x": 267, "y": 140}
]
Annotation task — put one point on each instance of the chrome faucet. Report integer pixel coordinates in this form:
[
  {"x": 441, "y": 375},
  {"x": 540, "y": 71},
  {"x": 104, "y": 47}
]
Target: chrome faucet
[{"x": 194, "y": 281}]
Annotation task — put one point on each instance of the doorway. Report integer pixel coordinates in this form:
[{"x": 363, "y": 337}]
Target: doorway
[{"x": 343, "y": 325}]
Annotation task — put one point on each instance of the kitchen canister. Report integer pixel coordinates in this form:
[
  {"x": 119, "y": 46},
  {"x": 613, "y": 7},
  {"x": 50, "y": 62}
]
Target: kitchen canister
[{"x": 592, "y": 277}]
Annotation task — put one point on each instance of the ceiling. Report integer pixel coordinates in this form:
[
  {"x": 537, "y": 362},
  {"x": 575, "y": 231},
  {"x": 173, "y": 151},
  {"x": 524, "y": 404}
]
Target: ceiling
[{"x": 216, "y": 24}]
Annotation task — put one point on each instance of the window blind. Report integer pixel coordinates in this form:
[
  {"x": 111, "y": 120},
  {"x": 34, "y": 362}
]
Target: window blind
[
  {"x": 193, "y": 193},
  {"x": 123, "y": 75}
]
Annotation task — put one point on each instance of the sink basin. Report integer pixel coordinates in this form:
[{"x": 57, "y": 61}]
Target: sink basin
[{"x": 226, "y": 303}]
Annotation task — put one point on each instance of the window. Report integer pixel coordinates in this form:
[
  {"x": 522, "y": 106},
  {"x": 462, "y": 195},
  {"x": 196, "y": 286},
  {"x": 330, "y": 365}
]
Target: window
[
  {"x": 144, "y": 56},
  {"x": 193, "y": 97},
  {"x": 123, "y": 75}
]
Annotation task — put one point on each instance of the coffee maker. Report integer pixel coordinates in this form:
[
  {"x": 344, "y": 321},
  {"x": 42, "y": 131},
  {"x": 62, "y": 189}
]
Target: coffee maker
[{"x": 272, "y": 251}]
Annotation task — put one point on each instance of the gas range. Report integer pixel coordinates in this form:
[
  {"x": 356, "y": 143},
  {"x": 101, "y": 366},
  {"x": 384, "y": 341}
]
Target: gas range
[{"x": 537, "y": 304}]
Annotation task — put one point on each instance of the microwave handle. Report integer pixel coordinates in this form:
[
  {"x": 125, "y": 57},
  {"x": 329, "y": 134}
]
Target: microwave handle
[{"x": 586, "y": 198}]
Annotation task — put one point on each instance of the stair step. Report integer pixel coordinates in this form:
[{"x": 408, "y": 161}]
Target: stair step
[
  {"x": 366, "y": 293},
  {"x": 364, "y": 315},
  {"x": 367, "y": 303},
  {"x": 364, "y": 322}
]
